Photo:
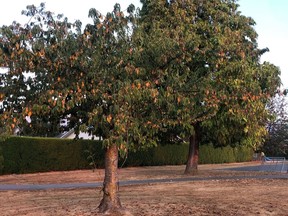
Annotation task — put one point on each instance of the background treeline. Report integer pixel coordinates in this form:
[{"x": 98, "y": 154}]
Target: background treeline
[{"x": 29, "y": 155}]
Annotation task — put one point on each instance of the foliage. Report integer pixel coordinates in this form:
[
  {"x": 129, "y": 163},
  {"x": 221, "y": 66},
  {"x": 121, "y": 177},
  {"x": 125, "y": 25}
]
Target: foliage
[
  {"x": 206, "y": 54},
  {"x": 164, "y": 154},
  {"x": 114, "y": 75},
  {"x": 227, "y": 154},
  {"x": 1, "y": 161},
  {"x": 24, "y": 154},
  {"x": 88, "y": 77},
  {"x": 34, "y": 154},
  {"x": 244, "y": 123},
  {"x": 276, "y": 143},
  {"x": 91, "y": 159}
]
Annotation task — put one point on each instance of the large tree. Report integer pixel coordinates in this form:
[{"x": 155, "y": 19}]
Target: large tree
[{"x": 89, "y": 77}]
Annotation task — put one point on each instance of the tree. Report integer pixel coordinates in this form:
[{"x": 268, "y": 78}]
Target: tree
[
  {"x": 86, "y": 76},
  {"x": 276, "y": 143},
  {"x": 206, "y": 53},
  {"x": 176, "y": 48}
]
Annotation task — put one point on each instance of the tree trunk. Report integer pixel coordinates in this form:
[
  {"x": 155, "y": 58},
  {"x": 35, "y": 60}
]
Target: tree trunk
[
  {"x": 110, "y": 203},
  {"x": 193, "y": 155}
]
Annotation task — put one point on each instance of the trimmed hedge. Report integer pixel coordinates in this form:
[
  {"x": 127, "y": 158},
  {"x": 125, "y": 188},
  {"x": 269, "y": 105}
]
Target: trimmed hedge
[
  {"x": 209, "y": 154},
  {"x": 1, "y": 161},
  {"x": 29, "y": 155},
  {"x": 160, "y": 155}
]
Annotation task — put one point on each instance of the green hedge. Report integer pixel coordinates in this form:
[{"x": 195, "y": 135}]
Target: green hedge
[
  {"x": 209, "y": 154},
  {"x": 160, "y": 155},
  {"x": 28, "y": 155},
  {"x": 1, "y": 161}
]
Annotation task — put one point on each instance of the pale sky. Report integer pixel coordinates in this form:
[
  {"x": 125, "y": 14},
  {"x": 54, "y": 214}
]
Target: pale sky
[{"x": 271, "y": 17}]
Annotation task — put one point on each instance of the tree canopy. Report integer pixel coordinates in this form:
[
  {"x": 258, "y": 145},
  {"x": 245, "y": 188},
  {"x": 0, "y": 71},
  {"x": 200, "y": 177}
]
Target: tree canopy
[{"x": 207, "y": 56}]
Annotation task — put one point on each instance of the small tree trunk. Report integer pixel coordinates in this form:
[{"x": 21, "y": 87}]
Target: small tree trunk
[
  {"x": 110, "y": 203},
  {"x": 193, "y": 155}
]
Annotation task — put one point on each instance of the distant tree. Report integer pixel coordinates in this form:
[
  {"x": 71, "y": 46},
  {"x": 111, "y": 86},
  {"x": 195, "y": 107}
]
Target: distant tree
[{"x": 276, "y": 143}]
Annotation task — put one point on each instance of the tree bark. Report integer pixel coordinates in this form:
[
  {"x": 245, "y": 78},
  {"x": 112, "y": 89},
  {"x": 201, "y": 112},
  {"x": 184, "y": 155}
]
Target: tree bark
[
  {"x": 110, "y": 203},
  {"x": 193, "y": 155}
]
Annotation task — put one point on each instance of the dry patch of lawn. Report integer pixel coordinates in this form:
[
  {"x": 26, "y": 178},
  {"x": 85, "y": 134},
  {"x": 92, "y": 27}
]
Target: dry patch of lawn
[{"x": 209, "y": 197}]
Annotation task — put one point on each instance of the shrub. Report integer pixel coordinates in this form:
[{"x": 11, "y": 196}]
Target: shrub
[
  {"x": 1, "y": 161},
  {"x": 160, "y": 155},
  {"x": 209, "y": 154},
  {"x": 28, "y": 155}
]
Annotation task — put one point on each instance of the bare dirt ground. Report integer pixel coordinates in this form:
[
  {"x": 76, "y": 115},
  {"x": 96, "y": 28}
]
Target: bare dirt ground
[{"x": 205, "y": 197}]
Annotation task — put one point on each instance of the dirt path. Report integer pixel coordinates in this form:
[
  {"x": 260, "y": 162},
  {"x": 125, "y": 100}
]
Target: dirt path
[{"x": 210, "y": 197}]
